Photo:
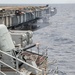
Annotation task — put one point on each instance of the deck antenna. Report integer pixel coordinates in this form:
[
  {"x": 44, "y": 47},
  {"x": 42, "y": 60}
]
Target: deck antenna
[
  {"x": 46, "y": 60},
  {"x": 37, "y": 45}
]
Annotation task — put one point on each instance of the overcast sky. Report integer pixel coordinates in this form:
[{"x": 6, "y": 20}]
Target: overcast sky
[{"x": 35, "y": 1}]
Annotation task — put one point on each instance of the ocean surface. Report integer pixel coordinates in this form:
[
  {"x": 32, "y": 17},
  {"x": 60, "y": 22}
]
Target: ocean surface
[{"x": 58, "y": 37}]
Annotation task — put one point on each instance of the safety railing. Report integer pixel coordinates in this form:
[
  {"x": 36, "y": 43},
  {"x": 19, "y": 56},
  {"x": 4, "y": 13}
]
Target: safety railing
[
  {"x": 9, "y": 67},
  {"x": 17, "y": 59},
  {"x": 2, "y": 72}
]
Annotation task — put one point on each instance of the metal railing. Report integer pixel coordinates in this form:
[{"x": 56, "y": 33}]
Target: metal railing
[
  {"x": 19, "y": 61},
  {"x": 10, "y": 67},
  {"x": 2, "y": 72}
]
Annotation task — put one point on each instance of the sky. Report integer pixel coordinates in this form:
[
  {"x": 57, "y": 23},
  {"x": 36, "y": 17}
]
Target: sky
[{"x": 35, "y": 1}]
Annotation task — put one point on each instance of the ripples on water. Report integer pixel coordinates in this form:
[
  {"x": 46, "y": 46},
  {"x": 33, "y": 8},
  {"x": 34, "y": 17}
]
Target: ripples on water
[{"x": 59, "y": 38}]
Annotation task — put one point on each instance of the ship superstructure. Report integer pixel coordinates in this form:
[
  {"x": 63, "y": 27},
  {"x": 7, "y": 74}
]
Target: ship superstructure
[
  {"x": 15, "y": 59},
  {"x": 23, "y": 17}
]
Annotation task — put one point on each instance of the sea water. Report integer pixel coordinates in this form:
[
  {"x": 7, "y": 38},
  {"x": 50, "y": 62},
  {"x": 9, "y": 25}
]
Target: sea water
[{"x": 59, "y": 38}]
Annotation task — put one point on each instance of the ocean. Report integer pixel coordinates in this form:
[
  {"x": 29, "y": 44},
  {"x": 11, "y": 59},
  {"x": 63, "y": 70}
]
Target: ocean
[{"x": 58, "y": 37}]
